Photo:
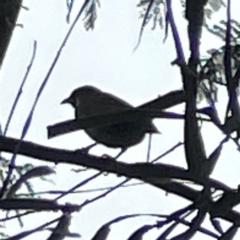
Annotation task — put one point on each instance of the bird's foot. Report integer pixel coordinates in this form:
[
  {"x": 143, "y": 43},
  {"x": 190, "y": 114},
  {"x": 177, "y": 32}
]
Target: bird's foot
[
  {"x": 85, "y": 150},
  {"x": 82, "y": 151},
  {"x": 106, "y": 156},
  {"x": 123, "y": 150},
  {"x": 116, "y": 157}
]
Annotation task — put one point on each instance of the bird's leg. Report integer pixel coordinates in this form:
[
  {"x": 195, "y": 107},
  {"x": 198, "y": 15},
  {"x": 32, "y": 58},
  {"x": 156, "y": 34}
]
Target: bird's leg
[
  {"x": 123, "y": 150},
  {"x": 149, "y": 147},
  {"x": 89, "y": 147},
  {"x": 117, "y": 156}
]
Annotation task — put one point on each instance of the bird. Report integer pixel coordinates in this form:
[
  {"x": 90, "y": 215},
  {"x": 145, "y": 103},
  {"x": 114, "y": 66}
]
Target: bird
[{"x": 90, "y": 101}]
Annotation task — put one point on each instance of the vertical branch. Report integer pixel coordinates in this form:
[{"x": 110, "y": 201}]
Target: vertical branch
[
  {"x": 20, "y": 88},
  {"x": 233, "y": 104},
  {"x": 195, "y": 16},
  {"x": 178, "y": 45},
  {"x": 227, "y": 55},
  {"x": 194, "y": 146},
  {"x": 227, "y": 63}
]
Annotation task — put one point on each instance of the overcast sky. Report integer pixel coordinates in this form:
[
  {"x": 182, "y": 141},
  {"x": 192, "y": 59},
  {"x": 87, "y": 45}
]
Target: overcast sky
[{"x": 103, "y": 58}]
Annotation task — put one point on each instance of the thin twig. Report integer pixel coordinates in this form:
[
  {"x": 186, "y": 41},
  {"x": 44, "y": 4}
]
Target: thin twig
[
  {"x": 16, "y": 216},
  {"x": 121, "y": 184},
  {"x": 169, "y": 230},
  {"x": 29, "y": 232},
  {"x": 167, "y": 152},
  {"x": 14, "y": 107},
  {"x": 55, "y": 192},
  {"x": 29, "y": 118},
  {"x": 71, "y": 190},
  {"x": 69, "y": 7},
  {"x": 178, "y": 45},
  {"x": 20, "y": 90},
  {"x": 149, "y": 147},
  {"x": 104, "y": 194}
]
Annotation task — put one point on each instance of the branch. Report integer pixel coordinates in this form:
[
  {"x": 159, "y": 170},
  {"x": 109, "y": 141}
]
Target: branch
[
  {"x": 232, "y": 86},
  {"x": 180, "y": 60},
  {"x": 194, "y": 145},
  {"x": 195, "y": 17},
  {"x": 143, "y": 171},
  {"x": 149, "y": 173}
]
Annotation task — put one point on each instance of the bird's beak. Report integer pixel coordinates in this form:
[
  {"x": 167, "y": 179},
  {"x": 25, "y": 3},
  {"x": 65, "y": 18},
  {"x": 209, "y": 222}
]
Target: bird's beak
[{"x": 67, "y": 100}]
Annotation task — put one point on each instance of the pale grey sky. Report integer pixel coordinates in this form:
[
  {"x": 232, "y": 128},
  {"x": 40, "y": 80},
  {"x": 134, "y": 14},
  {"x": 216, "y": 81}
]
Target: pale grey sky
[{"x": 104, "y": 58}]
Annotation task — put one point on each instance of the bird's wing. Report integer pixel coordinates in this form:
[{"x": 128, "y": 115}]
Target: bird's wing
[{"x": 112, "y": 103}]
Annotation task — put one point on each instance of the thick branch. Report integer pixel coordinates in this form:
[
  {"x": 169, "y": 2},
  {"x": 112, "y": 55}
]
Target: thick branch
[
  {"x": 194, "y": 146},
  {"x": 143, "y": 171},
  {"x": 149, "y": 173}
]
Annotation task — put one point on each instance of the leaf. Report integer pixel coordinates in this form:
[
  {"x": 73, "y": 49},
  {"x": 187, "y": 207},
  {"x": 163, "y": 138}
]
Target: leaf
[
  {"x": 62, "y": 228},
  {"x": 216, "y": 4},
  {"x": 102, "y": 233},
  {"x": 151, "y": 11},
  {"x": 91, "y": 14},
  {"x": 212, "y": 72},
  {"x": 34, "y": 172},
  {"x": 167, "y": 231},
  {"x": 194, "y": 226},
  {"x": 138, "y": 234}
]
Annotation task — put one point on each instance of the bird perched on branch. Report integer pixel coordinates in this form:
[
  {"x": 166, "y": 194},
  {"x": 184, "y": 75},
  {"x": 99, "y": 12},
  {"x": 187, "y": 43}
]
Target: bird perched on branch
[{"x": 89, "y": 101}]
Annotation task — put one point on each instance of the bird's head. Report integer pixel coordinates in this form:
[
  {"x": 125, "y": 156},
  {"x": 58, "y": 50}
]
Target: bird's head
[{"x": 81, "y": 94}]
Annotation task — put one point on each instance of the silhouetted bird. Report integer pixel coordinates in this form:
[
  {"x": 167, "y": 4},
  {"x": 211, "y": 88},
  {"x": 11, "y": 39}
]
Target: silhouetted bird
[{"x": 89, "y": 101}]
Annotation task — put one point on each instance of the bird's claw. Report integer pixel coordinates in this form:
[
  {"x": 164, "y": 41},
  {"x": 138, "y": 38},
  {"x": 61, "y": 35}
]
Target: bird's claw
[
  {"x": 85, "y": 150},
  {"x": 82, "y": 151},
  {"x": 106, "y": 156}
]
